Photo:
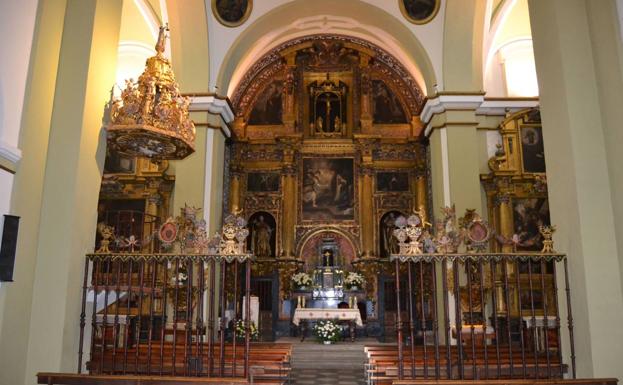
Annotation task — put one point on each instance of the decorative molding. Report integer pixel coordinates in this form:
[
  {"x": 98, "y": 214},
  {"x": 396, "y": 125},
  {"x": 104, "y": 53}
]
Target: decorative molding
[
  {"x": 443, "y": 102},
  {"x": 216, "y": 105},
  {"x": 9, "y": 157}
]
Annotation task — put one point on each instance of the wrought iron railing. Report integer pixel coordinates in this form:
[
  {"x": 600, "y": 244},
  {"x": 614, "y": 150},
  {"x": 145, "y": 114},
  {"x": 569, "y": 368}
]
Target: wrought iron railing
[
  {"x": 166, "y": 315},
  {"x": 482, "y": 316}
]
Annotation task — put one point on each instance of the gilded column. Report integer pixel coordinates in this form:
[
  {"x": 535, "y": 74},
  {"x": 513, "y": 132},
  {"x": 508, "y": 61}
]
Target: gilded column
[
  {"x": 289, "y": 212},
  {"x": 366, "y": 97},
  {"x": 234, "y": 192},
  {"x": 505, "y": 219},
  {"x": 289, "y": 116},
  {"x": 421, "y": 187},
  {"x": 367, "y": 211}
]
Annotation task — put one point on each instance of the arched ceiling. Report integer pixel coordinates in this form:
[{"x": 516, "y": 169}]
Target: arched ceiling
[{"x": 303, "y": 17}]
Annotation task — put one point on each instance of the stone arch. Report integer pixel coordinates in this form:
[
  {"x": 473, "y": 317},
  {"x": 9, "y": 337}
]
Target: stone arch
[{"x": 301, "y": 18}]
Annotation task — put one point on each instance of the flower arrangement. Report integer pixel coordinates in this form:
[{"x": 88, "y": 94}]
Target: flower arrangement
[
  {"x": 327, "y": 331},
  {"x": 254, "y": 333},
  {"x": 353, "y": 279},
  {"x": 301, "y": 279}
]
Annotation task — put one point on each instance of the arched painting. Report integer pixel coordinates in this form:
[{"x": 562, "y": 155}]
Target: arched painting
[
  {"x": 419, "y": 11},
  {"x": 386, "y": 107},
  {"x": 310, "y": 250},
  {"x": 232, "y": 13},
  {"x": 268, "y": 107},
  {"x": 262, "y": 235}
]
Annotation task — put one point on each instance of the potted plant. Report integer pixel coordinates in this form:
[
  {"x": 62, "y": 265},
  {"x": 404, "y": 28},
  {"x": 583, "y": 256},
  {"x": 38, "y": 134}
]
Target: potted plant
[
  {"x": 353, "y": 281},
  {"x": 254, "y": 333},
  {"x": 301, "y": 280},
  {"x": 327, "y": 331}
]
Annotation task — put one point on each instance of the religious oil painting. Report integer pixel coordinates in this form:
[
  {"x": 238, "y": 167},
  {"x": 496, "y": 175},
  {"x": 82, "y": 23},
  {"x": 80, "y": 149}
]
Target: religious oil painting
[
  {"x": 328, "y": 189},
  {"x": 386, "y": 107},
  {"x": 232, "y": 13},
  {"x": 268, "y": 106},
  {"x": 532, "y": 150},
  {"x": 263, "y": 181},
  {"x": 392, "y": 181},
  {"x": 419, "y": 11},
  {"x": 528, "y": 215}
]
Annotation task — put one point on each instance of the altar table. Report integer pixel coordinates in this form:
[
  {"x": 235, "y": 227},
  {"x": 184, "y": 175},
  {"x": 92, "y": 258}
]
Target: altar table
[{"x": 302, "y": 315}]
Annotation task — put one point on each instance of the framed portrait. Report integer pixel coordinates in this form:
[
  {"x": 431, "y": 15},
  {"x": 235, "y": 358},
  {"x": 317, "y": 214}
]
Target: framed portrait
[
  {"x": 392, "y": 181},
  {"x": 263, "y": 182},
  {"x": 528, "y": 215},
  {"x": 328, "y": 189},
  {"x": 532, "y": 150},
  {"x": 419, "y": 11},
  {"x": 232, "y": 13}
]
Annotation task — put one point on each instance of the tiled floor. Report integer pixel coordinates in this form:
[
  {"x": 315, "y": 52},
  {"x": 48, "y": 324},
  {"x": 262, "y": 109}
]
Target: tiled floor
[{"x": 327, "y": 377}]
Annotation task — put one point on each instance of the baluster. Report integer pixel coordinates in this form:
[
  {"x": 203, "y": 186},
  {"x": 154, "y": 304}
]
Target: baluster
[
  {"x": 189, "y": 318},
  {"x": 175, "y": 311},
  {"x": 140, "y": 315},
  {"x": 105, "y": 315},
  {"x": 523, "y": 348},
  {"x": 458, "y": 320},
  {"x": 127, "y": 331},
  {"x": 569, "y": 317},
  {"x": 200, "y": 324},
  {"x": 247, "y": 321},
  {"x": 545, "y": 323},
  {"x": 223, "y": 319},
  {"x": 558, "y": 342},
  {"x": 152, "y": 299},
  {"x": 83, "y": 314},
  {"x": 211, "y": 320},
  {"x": 495, "y": 316},
  {"x": 94, "y": 282},
  {"x": 411, "y": 323},
  {"x": 533, "y": 320},
  {"x": 399, "y": 322},
  {"x": 423, "y": 323},
  {"x": 481, "y": 276},
  {"x": 165, "y": 282},
  {"x": 235, "y": 320},
  {"x": 117, "y": 327},
  {"x": 468, "y": 265},
  {"x": 435, "y": 321},
  {"x": 446, "y": 309},
  {"x": 508, "y": 314}
]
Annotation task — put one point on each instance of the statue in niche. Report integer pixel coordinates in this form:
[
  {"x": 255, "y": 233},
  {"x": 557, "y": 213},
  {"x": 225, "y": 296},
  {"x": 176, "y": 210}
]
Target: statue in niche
[
  {"x": 260, "y": 241},
  {"x": 390, "y": 242}
]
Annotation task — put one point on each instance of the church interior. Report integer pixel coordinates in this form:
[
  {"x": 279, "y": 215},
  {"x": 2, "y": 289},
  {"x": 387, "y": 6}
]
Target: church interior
[{"x": 311, "y": 192}]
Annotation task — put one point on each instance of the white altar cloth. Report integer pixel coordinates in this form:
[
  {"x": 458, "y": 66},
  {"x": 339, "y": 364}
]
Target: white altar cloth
[{"x": 324, "y": 314}]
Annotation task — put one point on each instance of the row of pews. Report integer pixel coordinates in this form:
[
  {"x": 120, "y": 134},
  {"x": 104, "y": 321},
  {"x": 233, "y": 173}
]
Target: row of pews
[
  {"x": 269, "y": 364},
  {"x": 477, "y": 363}
]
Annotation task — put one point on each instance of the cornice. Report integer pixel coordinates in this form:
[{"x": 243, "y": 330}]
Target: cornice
[
  {"x": 443, "y": 102},
  {"x": 9, "y": 157},
  {"x": 216, "y": 105}
]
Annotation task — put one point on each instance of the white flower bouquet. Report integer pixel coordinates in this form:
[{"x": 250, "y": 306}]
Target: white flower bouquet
[
  {"x": 327, "y": 331},
  {"x": 302, "y": 279},
  {"x": 353, "y": 279}
]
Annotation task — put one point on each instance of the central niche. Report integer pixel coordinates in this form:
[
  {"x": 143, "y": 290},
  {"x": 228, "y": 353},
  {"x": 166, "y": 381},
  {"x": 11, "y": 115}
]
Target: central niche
[{"x": 328, "y": 105}]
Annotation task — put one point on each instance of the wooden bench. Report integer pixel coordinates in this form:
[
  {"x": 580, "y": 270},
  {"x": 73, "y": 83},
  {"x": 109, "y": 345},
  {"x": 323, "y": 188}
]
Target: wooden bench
[
  {"x": 87, "y": 379},
  {"x": 588, "y": 381}
]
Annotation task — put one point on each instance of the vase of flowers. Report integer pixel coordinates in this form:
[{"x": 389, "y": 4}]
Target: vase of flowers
[
  {"x": 327, "y": 331},
  {"x": 254, "y": 333},
  {"x": 353, "y": 281},
  {"x": 301, "y": 280}
]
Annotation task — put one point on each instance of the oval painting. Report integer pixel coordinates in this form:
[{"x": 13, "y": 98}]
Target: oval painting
[
  {"x": 232, "y": 13},
  {"x": 419, "y": 11}
]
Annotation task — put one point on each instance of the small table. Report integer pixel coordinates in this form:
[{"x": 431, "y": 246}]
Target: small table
[
  {"x": 303, "y": 315},
  {"x": 481, "y": 335}
]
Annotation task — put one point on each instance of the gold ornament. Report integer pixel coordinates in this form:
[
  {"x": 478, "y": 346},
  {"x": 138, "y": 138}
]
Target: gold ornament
[{"x": 151, "y": 119}]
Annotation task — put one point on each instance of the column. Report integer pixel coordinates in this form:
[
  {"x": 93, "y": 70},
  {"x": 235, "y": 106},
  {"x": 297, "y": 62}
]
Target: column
[
  {"x": 289, "y": 146},
  {"x": 234, "y": 192},
  {"x": 367, "y": 210},
  {"x": 75, "y": 160},
  {"x": 421, "y": 187},
  {"x": 577, "y": 53}
]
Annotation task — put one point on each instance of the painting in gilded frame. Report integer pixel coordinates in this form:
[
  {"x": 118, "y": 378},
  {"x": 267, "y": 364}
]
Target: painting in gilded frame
[
  {"x": 392, "y": 181},
  {"x": 528, "y": 215},
  {"x": 419, "y": 11},
  {"x": 232, "y": 13},
  {"x": 328, "y": 189},
  {"x": 263, "y": 181},
  {"x": 532, "y": 149}
]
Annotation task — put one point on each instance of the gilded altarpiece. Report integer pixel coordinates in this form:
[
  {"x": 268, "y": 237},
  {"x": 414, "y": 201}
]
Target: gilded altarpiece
[
  {"x": 517, "y": 199},
  {"x": 347, "y": 152}
]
